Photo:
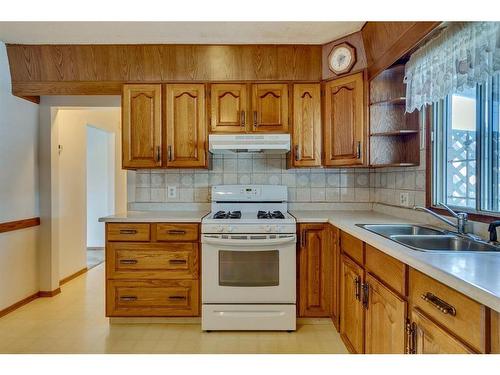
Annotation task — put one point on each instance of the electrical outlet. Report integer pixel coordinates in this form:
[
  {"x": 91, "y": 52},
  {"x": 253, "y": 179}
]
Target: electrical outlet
[
  {"x": 404, "y": 199},
  {"x": 172, "y": 191}
]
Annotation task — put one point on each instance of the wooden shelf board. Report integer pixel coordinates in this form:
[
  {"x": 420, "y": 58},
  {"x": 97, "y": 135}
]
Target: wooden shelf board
[
  {"x": 394, "y": 165},
  {"x": 395, "y": 133},
  {"x": 395, "y": 101}
]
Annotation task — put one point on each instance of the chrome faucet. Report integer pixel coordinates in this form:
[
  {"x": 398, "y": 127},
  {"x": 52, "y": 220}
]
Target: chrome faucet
[{"x": 461, "y": 217}]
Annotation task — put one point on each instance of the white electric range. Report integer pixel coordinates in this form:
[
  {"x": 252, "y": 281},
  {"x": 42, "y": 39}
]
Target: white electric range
[{"x": 248, "y": 260}]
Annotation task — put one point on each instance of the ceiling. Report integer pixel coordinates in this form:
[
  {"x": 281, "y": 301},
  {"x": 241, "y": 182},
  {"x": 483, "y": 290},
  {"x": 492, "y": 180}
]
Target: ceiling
[{"x": 175, "y": 32}]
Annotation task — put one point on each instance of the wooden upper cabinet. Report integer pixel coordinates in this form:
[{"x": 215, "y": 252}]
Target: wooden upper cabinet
[
  {"x": 351, "y": 308},
  {"x": 306, "y": 133},
  {"x": 141, "y": 129},
  {"x": 385, "y": 319},
  {"x": 186, "y": 126},
  {"x": 315, "y": 264},
  {"x": 229, "y": 112},
  {"x": 344, "y": 129},
  {"x": 270, "y": 107}
]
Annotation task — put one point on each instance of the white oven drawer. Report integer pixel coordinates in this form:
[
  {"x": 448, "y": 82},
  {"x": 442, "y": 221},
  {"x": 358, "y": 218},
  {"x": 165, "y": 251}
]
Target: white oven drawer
[{"x": 248, "y": 317}]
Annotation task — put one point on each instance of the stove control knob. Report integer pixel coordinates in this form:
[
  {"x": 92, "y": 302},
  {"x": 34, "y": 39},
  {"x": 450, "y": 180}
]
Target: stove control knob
[{"x": 219, "y": 228}]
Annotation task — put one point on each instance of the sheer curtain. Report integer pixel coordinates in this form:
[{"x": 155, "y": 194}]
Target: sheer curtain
[{"x": 464, "y": 54}]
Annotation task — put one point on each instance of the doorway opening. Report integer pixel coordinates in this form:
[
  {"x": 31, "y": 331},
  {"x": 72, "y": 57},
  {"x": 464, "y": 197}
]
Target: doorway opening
[
  {"x": 100, "y": 189},
  {"x": 91, "y": 183}
]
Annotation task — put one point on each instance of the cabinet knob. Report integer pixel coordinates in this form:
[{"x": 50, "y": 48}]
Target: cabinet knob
[{"x": 255, "y": 124}]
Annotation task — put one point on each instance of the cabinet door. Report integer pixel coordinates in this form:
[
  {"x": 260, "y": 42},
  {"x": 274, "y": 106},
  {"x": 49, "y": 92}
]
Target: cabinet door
[
  {"x": 344, "y": 132},
  {"x": 495, "y": 332},
  {"x": 335, "y": 276},
  {"x": 314, "y": 271},
  {"x": 351, "y": 309},
  {"x": 141, "y": 128},
  {"x": 229, "y": 107},
  {"x": 185, "y": 133},
  {"x": 270, "y": 107},
  {"x": 306, "y": 134},
  {"x": 384, "y": 318},
  {"x": 429, "y": 338}
]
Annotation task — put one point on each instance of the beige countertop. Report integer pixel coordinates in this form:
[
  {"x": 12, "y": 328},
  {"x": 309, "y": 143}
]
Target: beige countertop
[
  {"x": 476, "y": 275},
  {"x": 156, "y": 217}
]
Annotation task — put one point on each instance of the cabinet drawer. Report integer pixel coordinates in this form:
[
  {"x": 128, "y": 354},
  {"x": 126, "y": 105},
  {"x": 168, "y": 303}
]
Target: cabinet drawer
[
  {"x": 351, "y": 246},
  {"x": 389, "y": 270},
  {"x": 128, "y": 232},
  {"x": 176, "y": 232},
  {"x": 152, "y": 260},
  {"x": 459, "y": 314},
  {"x": 152, "y": 298}
]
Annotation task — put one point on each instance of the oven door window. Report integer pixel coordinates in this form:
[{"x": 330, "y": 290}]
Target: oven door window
[{"x": 248, "y": 268}]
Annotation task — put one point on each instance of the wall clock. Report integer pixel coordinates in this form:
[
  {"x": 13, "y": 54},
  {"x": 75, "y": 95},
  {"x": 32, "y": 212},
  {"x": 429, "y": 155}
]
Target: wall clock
[{"x": 342, "y": 58}]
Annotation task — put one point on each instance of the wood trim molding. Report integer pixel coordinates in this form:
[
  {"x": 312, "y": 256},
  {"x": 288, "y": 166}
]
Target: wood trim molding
[
  {"x": 17, "y": 305},
  {"x": 24, "y": 301},
  {"x": 19, "y": 224},
  {"x": 73, "y": 276},
  {"x": 51, "y": 293}
]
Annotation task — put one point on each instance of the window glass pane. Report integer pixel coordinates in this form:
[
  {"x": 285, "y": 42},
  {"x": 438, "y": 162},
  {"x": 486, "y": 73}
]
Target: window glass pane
[
  {"x": 491, "y": 155},
  {"x": 461, "y": 138}
]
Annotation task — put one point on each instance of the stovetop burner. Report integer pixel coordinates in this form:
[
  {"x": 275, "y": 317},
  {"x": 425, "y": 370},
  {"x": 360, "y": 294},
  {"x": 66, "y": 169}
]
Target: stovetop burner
[
  {"x": 227, "y": 215},
  {"x": 270, "y": 215}
]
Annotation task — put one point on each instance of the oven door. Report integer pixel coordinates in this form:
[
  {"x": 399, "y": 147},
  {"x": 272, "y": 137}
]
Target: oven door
[{"x": 250, "y": 268}]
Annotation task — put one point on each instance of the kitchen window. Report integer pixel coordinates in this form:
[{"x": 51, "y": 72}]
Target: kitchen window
[{"x": 465, "y": 149}]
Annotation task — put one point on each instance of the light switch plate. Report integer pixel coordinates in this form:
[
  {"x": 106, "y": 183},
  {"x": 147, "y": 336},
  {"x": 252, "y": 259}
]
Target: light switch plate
[
  {"x": 404, "y": 199},
  {"x": 171, "y": 191}
]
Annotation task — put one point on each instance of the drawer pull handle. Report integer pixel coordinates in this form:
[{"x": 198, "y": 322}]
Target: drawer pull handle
[
  {"x": 439, "y": 304},
  {"x": 128, "y": 231},
  {"x": 177, "y": 261},
  {"x": 178, "y": 298},
  {"x": 128, "y": 261},
  {"x": 176, "y": 231},
  {"x": 128, "y": 298}
]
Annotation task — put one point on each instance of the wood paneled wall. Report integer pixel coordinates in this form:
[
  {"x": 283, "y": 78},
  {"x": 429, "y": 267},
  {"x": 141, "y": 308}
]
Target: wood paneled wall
[
  {"x": 102, "y": 69},
  {"x": 386, "y": 42}
]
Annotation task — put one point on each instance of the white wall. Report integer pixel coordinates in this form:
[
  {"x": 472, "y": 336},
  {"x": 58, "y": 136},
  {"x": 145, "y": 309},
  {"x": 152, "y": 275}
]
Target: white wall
[
  {"x": 18, "y": 191},
  {"x": 71, "y": 125},
  {"x": 100, "y": 182}
]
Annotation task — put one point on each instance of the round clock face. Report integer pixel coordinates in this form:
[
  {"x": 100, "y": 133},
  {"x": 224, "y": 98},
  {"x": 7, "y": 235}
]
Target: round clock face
[{"x": 341, "y": 59}]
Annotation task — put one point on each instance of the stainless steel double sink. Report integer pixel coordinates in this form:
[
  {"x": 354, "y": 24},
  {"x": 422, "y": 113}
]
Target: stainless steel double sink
[{"x": 429, "y": 239}]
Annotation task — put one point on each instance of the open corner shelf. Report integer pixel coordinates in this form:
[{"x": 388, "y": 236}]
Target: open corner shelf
[{"x": 394, "y": 134}]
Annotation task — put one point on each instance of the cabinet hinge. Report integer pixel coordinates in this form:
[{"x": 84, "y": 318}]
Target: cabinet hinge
[{"x": 410, "y": 337}]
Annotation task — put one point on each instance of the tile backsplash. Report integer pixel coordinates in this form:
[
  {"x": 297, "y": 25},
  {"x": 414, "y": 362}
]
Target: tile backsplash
[
  {"x": 304, "y": 185},
  {"x": 348, "y": 185}
]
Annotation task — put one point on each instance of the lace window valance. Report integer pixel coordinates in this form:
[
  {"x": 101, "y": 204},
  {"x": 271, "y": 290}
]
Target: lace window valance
[{"x": 464, "y": 54}]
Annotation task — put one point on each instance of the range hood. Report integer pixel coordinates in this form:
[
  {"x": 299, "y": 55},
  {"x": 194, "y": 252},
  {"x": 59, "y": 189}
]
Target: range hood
[{"x": 235, "y": 143}]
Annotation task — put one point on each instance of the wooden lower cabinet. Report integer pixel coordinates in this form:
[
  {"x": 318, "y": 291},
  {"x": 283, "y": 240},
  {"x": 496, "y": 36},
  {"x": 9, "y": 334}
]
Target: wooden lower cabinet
[
  {"x": 429, "y": 338},
  {"x": 335, "y": 276},
  {"x": 351, "y": 311},
  {"x": 314, "y": 270},
  {"x": 384, "y": 320},
  {"x": 152, "y": 269},
  {"x": 495, "y": 332}
]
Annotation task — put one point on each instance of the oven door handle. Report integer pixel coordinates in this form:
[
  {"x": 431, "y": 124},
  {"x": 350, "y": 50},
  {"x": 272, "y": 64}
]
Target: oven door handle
[{"x": 248, "y": 242}]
